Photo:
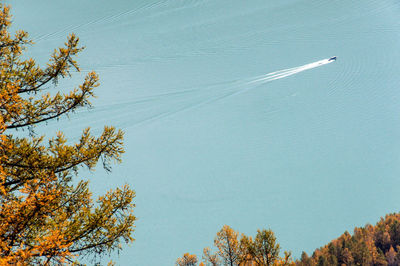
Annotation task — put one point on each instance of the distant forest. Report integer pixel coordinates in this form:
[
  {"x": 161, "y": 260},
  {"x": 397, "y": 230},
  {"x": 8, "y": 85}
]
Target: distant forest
[{"x": 368, "y": 245}]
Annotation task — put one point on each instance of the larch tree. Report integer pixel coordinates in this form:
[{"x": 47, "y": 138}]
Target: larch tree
[
  {"x": 306, "y": 260},
  {"x": 263, "y": 250},
  {"x": 210, "y": 258},
  {"x": 187, "y": 260},
  {"x": 47, "y": 216},
  {"x": 228, "y": 246}
]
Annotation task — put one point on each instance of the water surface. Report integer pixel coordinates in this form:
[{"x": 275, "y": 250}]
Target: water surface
[{"x": 309, "y": 155}]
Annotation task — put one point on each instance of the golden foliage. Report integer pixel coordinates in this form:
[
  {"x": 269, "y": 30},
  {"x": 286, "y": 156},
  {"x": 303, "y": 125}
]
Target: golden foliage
[
  {"x": 45, "y": 218},
  {"x": 369, "y": 245},
  {"x": 187, "y": 260},
  {"x": 228, "y": 245},
  {"x": 262, "y": 251},
  {"x": 211, "y": 258}
]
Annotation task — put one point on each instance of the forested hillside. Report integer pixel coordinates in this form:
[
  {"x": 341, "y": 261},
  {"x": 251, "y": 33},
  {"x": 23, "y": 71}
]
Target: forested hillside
[{"x": 368, "y": 245}]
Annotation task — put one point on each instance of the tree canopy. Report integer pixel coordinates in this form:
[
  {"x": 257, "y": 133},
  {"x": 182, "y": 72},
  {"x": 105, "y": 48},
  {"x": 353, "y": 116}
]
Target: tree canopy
[
  {"x": 369, "y": 245},
  {"x": 244, "y": 251},
  {"x": 187, "y": 260},
  {"x": 47, "y": 214}
]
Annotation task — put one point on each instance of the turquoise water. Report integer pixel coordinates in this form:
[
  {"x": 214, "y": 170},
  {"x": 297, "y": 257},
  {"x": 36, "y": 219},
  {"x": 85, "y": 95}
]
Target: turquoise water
[{"x": 308, "y": 155}]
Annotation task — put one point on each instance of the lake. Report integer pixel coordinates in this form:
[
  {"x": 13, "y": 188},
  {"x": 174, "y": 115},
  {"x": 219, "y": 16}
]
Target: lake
[{"x": 309, "y": 155}]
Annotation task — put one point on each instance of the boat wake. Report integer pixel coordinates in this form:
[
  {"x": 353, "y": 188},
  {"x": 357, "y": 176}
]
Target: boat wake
[
  {"x": 148, "y": 109},
  {"x": 254, "y": 82},
  {"x": 288, "y": 72}
]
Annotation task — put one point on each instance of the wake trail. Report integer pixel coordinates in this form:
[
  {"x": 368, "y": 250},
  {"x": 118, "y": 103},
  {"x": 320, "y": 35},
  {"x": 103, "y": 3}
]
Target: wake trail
[
  {"x": 288, "y": 72},
  {"x": 259, "y": 80},
  {"x": 155, "y": 107},
  {"x": 232, "y": 85},
  {"x": 236, "y": 88}
]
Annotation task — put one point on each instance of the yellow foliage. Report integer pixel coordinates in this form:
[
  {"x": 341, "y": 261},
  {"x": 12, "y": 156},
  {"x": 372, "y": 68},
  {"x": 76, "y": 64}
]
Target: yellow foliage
[
  {"x": 45, "y": 218},
  {"x": 263, "y": 250},
  {"x": 228, "y": 245},
  {"x": 187, "y": 260}
]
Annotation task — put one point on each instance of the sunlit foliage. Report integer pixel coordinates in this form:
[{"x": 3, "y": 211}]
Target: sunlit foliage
[
  {"x": 211, "y": 258},
  {"x": 45, "y": 218},
  {"x": 228, "y": 246},
  {"x": 232, "y": 251},
  {"x": 187, "y": 260},
  {"x": 263, "y": 250},
  {"x": 369, "y": 245}
]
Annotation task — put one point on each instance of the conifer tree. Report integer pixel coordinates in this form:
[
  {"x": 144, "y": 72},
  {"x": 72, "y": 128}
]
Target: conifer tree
[
  {"x": 187, "y": 260},
  {"x": 47, "y": 215},
  {"x": 264, "y": 250},
  {"x": 228, "y": 246},
  {"x": 369, "y": 245},
  {"x": 210, "y": 258}
]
